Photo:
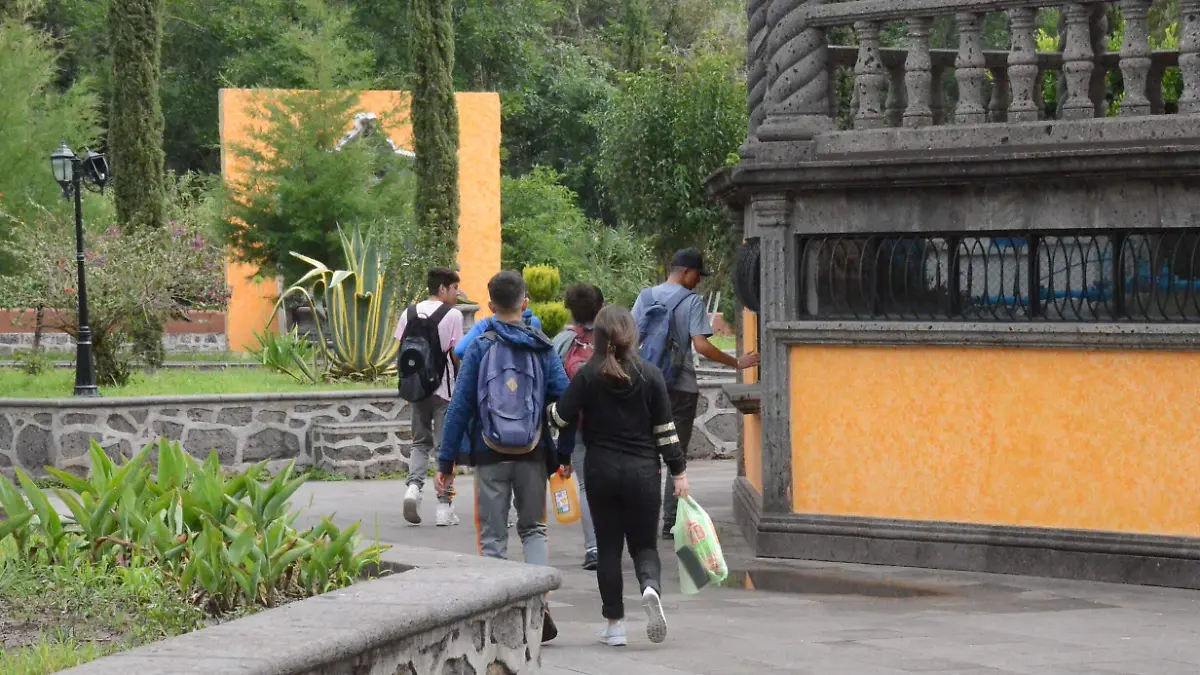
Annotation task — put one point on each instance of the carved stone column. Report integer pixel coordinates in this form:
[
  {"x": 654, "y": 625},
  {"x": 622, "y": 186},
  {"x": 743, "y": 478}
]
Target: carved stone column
[
  {"x": 869, "y": 77},
  {"x": 756, "y": 69},
  {"x": 798, "y": 75},
  {"x": 1189, "y": 56},
  {"x": 918, "y": 74},
  {"x": 772, "y": 214},
  {"x": 1135, "y": 58},
  {"x": 1023, "y": 71},
  {"x": 1078, "y": 64},
  {"x": 1098, "y": 32},
  {"x": 969, "y": 70}
]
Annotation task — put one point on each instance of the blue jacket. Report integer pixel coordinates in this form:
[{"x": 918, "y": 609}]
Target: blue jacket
[
  {"x": 461, "y": 433},
  {"x": 481, "y": 327}
]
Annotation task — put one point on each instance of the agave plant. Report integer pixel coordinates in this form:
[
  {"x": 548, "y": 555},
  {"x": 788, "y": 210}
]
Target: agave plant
[{"x": 359, "y": 305}]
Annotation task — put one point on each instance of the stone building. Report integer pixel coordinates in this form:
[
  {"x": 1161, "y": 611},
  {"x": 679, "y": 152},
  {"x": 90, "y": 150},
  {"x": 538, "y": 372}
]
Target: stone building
[{"x": 974, "y": 289}]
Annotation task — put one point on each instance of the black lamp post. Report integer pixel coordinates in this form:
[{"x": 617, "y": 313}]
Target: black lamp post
[{"x": 73, "y": 173}]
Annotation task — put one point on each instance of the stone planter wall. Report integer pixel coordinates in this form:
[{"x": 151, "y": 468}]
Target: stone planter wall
[
  {"x": 243, "y": 429},
  {"x": 359, "y": 433},
  {"x": 403, "y": 624}
]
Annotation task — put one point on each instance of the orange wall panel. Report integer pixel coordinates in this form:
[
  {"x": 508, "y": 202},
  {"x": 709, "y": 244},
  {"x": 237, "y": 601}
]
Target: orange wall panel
[
  {"x": 751, "y": 424},
  {"x": 252, "y": 302},
  {"x": 1098, "y": 440}
]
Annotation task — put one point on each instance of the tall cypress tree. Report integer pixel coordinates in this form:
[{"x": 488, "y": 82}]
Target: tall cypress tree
[
  {"x": 435, "y": 127},
  {"x": 135, "y": 136}
]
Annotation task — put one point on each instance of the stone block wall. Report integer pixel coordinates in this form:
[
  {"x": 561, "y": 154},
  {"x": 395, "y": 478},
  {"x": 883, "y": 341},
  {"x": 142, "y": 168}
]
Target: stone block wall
[
  {"x": 242, "y": 429},
  {"x": 361, "y": 434}
]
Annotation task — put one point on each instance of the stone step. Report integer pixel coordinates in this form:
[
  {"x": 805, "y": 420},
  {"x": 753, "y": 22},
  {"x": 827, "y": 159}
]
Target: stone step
[{"x": 334, "y": 444}]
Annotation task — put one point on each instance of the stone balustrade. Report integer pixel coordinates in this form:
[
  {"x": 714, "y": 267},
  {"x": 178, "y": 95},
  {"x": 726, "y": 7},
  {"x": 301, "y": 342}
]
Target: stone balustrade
[{"x": 791, "y": 65}]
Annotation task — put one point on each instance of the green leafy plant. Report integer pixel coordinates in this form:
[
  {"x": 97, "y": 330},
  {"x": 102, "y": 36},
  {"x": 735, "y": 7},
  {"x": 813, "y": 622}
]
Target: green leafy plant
[
  {"x": 34, "y": 362},
  {"x": 542, "y": 281},
  {"x": 359, "y": 304},
  {"x": 289, "y": 353},
  {"x": 554, "y": 316},
  {"x": 226, "y": 540}
]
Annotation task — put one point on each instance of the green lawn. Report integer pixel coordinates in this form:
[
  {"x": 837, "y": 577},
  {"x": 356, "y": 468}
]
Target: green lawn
[
  {"x": 179, "y": 357},
  {"x": 60, "y": 384}
]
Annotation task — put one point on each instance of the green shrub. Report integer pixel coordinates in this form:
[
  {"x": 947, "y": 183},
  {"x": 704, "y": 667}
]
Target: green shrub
[
  {"x": 34, "y": 362},
  {"x": 226, "y": 539},
  {"x": 554, "y": 315},
  {"x": 289, "y": 353},
  {"x": 543, "y": 282}
]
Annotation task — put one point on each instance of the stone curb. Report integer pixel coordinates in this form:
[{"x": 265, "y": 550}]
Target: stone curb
[
  {"x": 382, "y": 625},
  {"x": 127, "y": 401}
]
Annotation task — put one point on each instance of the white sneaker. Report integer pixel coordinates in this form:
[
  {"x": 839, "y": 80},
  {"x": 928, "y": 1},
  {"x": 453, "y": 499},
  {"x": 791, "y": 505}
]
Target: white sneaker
[
  {"x": 613, "y": 635},
  {"x": 656, "y": 621},
  {"x": 412, "y": 504},
  {"x": 446, "y": 515}
]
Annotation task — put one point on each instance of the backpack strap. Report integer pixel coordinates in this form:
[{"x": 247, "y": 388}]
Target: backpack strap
[
  {"x": 677, "y": 300},
  {"x": 412, "y": 315},
  {"x": 439, "y": 314}
]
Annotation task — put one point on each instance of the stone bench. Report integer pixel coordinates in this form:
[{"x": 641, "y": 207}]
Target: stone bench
[{"x": 361, "y": 449}]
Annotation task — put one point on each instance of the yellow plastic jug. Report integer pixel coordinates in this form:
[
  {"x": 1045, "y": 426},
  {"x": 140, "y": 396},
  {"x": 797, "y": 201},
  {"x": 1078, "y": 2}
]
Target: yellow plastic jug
[{"x": 565, "y": 497}]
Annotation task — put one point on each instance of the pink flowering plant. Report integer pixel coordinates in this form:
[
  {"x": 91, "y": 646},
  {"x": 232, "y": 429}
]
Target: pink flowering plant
[{"x": 156, "y": 274}]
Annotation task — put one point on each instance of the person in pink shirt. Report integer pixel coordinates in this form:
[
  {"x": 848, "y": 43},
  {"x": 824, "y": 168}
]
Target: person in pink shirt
[{"x": 429, "y": 414}]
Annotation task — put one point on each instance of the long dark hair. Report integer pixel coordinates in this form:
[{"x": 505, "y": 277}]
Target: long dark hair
[{"x": 616, "y": 344}]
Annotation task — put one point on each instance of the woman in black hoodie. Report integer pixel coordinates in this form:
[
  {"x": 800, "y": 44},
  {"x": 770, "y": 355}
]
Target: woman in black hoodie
[{"x": 626, "y": 426}]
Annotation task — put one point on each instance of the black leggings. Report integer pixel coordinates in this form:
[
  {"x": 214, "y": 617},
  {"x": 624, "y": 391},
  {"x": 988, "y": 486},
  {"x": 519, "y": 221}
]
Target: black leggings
[{"x": 623, "y": 494}]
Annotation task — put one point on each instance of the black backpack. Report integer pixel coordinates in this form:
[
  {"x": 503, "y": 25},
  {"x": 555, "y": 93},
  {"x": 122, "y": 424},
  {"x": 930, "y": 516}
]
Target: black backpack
[{"x": 421, "y": 362}]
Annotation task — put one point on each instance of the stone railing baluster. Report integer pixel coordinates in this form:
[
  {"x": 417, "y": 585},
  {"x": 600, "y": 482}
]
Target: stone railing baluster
[
  {"x": 969, "y": 70},
  {"x": 869, "y": 77},
  {"x": 1078, "y": 64},
  {"x": 998, "y": 102},
  {"x": 1098, "y": 33},
  {"x": 1024, "y": 76},
  {"x": 918, "y": 74},
  {"x": 937, "y": 95},
  {"x": 1189, "y": 56},
  {"x": 895, "y": 96},
  {"x": 1135, "y": 58}
]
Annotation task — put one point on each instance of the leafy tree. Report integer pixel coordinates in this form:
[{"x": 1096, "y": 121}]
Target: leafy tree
[
  {"x": 35, "y": 118},
  {"x": 435, "y": 128},
  {"x": 666, "y": 131},
  {"x": 135, "y": 136},
  {"x": 300, "y": 187},
  {"x": 543, "y": 225}
]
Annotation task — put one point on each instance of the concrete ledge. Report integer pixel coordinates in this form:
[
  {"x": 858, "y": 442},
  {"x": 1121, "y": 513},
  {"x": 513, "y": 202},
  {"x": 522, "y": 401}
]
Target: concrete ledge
[
  {"x": 444, "y": 613},
  {"x": 962, "y": 334},
  {"x": 1068, "y": 554}
]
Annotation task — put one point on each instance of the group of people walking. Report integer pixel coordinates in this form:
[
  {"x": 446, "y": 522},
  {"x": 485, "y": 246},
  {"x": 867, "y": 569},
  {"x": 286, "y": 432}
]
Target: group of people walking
[{"x": 611, "y": 400}]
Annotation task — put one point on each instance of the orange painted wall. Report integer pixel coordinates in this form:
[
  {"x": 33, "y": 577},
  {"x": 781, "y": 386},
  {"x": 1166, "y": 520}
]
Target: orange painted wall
[
  {"x": 751, "y": 424},
  {"x": 1070, "y": 439},
  {"x": 478, "y": 182}
]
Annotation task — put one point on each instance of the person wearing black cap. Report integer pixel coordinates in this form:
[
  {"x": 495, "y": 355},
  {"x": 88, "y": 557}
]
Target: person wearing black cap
[{"x": 690, "y": 328}]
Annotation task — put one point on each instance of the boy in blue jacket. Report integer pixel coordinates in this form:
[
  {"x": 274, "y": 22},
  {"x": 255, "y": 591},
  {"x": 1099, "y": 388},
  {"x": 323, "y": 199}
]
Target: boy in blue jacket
[{"x": 506, "y": 474}]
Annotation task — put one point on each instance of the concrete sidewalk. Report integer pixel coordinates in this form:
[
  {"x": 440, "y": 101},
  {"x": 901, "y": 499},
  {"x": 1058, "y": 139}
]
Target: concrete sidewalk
[{"x": 820, "y": 618}]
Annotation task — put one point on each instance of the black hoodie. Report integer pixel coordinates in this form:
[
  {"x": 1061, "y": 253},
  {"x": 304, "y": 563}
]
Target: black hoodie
[{"x": 631, "y": 418}]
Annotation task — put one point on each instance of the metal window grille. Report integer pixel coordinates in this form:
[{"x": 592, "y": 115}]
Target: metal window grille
[{"x": 1101, "y": 276}]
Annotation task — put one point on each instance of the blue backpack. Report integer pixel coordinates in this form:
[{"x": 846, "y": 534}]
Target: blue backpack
[
  {"x": 656, "y": 340},
  {"x": 511, "y": 396}
]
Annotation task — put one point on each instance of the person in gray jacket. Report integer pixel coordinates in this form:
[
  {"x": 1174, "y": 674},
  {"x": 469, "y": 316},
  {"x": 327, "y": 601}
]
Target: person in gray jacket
[{"x": 584, "y": 301}]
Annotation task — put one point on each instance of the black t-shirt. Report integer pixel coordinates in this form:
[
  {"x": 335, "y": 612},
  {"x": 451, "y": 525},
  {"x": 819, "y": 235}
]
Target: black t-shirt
[{"x": 632, "y": 418}]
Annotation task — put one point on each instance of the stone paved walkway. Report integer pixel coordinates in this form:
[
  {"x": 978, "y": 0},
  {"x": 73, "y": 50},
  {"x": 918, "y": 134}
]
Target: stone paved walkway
[{"x": 848, "y": 619}]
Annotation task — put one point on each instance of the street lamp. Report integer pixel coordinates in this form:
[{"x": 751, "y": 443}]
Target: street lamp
[{"x": 73, "y": 173}]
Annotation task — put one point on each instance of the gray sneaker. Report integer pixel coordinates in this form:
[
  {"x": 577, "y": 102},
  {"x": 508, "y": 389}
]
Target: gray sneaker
[{"x": 656, "y": 621}]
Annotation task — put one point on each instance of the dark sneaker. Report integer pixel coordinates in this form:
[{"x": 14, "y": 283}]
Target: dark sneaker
[
  {"x": 590, "y": 561},
  {"x": 549, "y": 630}
]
